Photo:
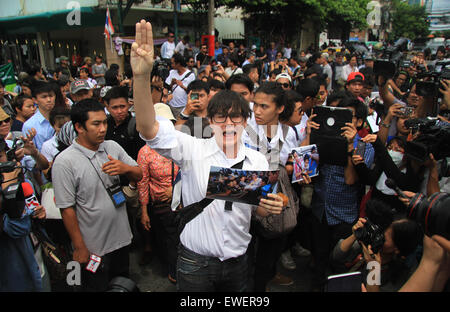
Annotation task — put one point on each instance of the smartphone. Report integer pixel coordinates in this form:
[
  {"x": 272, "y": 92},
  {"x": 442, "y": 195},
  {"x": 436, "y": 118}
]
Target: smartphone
[
  {"x": 347, "y": 282},
  {"x": 360, "y": 148},
  {"x": 194, "y": 96}
]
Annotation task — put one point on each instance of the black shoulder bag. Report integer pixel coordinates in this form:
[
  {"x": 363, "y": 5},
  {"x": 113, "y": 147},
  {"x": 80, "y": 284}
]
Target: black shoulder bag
[{"x": 188, "y": 213}]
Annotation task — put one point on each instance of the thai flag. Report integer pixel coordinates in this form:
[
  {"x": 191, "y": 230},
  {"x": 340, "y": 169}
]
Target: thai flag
[{"x": 109, "y": 29}]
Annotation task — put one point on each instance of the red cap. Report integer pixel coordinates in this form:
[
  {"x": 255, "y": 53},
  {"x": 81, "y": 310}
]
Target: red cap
[{"x": 354, "y": 76}]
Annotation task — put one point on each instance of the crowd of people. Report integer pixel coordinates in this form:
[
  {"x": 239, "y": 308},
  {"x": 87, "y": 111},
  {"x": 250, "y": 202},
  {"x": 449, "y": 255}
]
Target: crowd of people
[{"x": 127, "y": 156}]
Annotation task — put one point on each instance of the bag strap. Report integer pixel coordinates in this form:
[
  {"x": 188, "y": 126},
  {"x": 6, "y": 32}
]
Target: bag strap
[
  {"x": 185, "y": 76},
  {"x": 188, "y": 213}
]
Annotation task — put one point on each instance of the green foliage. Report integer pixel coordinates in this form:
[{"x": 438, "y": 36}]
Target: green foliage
[
  {"x": 287, "y": 16},
  {"x": 409, "y": 21}
]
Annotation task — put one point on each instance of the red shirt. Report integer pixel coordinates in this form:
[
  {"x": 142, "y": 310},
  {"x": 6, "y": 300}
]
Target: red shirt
[{"x": 156, "y": 175}]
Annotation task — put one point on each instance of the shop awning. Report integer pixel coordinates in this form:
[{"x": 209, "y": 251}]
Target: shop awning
[{"x": 44, "y": 22}]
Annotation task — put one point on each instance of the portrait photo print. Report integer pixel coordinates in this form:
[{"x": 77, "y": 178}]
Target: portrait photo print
[
  {"x": 242, "y": 186},
  {"x": 306, "y": 160}
]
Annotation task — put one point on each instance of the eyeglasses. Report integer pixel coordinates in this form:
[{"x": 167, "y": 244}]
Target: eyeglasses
[
  {"x": 159, "y": 89},
  {"x": 284, "y": 85},
  {"x": 221, "y": 118},
  {"x": 7, "y": 120}
]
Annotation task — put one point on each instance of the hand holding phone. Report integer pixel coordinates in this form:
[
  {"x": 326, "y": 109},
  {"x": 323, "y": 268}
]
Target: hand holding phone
[{"x": 360, "y": 148}]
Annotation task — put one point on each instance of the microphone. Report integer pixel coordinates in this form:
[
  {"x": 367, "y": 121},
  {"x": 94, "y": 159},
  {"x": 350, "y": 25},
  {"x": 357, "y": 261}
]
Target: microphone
[
  {"x": 392, "y": 185},
  {"x": 31, "y": 202}
]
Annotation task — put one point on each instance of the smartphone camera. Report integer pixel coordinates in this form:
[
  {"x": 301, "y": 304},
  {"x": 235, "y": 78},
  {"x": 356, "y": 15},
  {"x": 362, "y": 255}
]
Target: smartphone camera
[{"x": 194, "y": 96}]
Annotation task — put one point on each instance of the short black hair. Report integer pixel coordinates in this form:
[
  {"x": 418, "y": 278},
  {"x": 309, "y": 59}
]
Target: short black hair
[
  {"x": 79, "y": 112},
  {"x": 114, "y": 66},
  {"x": 406, "y": 235},
  {"x": 56, "y": 112},
  {"x": 321, "y": 80},
  {"x": 336, "y": 96},
  {"x": 224, "y": 100},
  {"x": 308, "y": 87},
  {"x": 197, "y": 85},
  {"x": 84, "y": 69},
  {"x": 111, "y": 77},
  {"x": 33, "y": 70},
  {"x": 360, "y": 108},
  {"x": 116, "y": 93},
  {"x": 216, "y": 84},
  {"x": 179, "y": 59},
  {"x": 292, "y": 97},
  {"x": 233, "y": 58},
  {"x": 247, "y": 69},
  {"x": 40, "y": 86},
  {"x": 18, "y": 102},
  {"x": 272, "y": 88},
  {"x": 240, "y": 79}
]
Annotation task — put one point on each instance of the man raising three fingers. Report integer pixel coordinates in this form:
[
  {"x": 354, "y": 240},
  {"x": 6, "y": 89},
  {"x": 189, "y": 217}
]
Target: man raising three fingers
[{"x": 212, "y": 244}]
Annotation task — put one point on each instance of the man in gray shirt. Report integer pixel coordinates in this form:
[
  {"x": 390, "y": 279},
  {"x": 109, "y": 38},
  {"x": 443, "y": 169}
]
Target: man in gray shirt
[{"x": 87, "y": 190}]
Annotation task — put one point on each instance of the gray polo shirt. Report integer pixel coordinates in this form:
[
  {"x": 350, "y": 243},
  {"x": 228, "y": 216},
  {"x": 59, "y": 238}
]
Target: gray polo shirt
[{"x": 103, "y": 227}]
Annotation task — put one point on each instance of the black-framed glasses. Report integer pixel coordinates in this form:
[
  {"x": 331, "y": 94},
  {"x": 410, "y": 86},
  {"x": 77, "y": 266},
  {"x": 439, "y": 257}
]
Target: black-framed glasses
[
  {"x": 234, "y": 118},
  {"x": 7, "y": 120},
  {"x": 159, "y": 89},
  {"x": 284, "y": 84}
]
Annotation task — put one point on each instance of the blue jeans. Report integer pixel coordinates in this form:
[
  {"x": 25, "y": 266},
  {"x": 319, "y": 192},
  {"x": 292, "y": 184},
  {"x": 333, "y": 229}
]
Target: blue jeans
[{"x": 197, "y": 273}]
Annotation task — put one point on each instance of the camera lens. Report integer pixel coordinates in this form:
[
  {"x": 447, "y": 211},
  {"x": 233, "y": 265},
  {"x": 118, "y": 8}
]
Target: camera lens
[{"x": 433, "y": 214}]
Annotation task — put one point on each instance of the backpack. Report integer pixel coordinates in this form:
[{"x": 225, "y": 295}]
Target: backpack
[{"x": 274, "y": 226}]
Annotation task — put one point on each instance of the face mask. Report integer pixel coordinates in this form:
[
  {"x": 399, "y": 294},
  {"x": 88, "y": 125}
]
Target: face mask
[{"x": 397, "y": 157}]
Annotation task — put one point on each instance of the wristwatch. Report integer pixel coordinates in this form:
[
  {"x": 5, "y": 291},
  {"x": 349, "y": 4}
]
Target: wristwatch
[
  {"x": 183, "y": 116},
  {"x": 384, "y": 125}
]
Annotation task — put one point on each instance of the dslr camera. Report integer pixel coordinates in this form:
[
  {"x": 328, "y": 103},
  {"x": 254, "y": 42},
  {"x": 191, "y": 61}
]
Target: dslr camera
[{"x": 371, "y": 234}]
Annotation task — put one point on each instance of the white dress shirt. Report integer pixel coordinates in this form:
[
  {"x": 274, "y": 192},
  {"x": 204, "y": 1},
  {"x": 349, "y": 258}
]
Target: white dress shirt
[
  {"x": 215, "y": 232},
  {"x": 289, "y": 143},
  {"x": 167, "y": 49},
  {"x": 346, "y": 70}
]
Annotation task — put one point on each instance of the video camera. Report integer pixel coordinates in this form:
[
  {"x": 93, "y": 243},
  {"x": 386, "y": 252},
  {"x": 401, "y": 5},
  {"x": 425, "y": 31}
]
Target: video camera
[
  {"x": 161, "y": 69},
  {"x": 391, "y": 59},
  {"x": 433, "y": 139},
  {"x": 12, "y": 199},
  {"x": 430, "y": 81}
]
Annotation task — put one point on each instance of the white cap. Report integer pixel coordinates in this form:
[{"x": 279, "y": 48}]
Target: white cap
[{"x": 283, "y": 75}]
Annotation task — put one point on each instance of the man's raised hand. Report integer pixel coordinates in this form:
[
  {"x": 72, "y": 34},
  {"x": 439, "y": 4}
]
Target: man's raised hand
[{"x": 141, "y": 58}]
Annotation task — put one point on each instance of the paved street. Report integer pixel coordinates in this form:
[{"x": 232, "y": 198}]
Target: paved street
[{"x": 151, "y": 277}]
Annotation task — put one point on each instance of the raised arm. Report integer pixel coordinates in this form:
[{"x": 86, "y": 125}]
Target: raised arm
[{"x": 141, "y": 60}]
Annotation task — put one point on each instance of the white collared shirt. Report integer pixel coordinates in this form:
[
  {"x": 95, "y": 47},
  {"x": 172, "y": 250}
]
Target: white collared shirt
[
  {"x": 289, "y": 143},
  {"x": 215, "y": 232}
]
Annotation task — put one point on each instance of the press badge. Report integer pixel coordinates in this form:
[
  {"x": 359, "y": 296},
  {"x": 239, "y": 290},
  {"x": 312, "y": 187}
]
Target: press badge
[
  {"x": 94, "y": 263},
  {"x": 116, "y": 194}
]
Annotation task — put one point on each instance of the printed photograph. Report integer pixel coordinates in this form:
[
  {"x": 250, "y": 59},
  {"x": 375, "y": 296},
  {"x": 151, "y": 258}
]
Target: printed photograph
[
  {"x": 306, "y": 160},
  {"x": 242, "y": 186}
]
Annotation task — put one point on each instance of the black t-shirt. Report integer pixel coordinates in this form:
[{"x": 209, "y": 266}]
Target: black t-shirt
[
  {"x": 131, "y": 144},
  {"x": 203, "y": 59},
  {"x": 17, "y": 125}
]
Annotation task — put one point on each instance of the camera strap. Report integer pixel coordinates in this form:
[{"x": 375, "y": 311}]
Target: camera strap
[{"x": 114, "y": 192}]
